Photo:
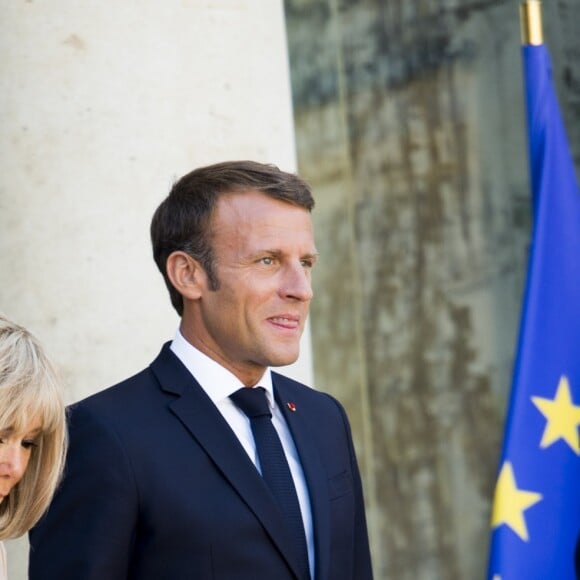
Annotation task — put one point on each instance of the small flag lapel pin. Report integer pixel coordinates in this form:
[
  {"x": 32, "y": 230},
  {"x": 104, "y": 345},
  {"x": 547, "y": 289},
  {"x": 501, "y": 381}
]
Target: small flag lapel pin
[{"x": 292, "y": 407}]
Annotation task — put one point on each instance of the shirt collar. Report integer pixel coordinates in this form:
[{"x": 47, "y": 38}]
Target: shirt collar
[{"x": 217, "y": 381}]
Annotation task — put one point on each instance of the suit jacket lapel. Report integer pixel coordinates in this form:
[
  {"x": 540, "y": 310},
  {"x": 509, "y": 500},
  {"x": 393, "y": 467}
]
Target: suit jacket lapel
[
  {"x": 300, "y": 422},
  {"x": 206, "y": 424}
]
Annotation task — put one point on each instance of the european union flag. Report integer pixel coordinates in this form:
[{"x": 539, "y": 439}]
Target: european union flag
[{"x": 536, "y": 511}]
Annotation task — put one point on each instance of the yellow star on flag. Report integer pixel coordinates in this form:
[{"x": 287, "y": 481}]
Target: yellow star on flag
[
  {"x": 509, "y": 502},
  {"x": 562, "y": 417}
]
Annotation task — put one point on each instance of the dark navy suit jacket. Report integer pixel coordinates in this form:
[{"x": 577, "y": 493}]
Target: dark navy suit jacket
[{"x": 157, "y": 486}]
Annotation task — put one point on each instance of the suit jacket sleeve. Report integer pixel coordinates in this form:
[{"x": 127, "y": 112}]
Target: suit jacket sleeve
[{"x": 95, "y": 509}]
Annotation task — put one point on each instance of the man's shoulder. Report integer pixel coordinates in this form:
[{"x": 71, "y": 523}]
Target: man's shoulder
[
  {"x": 128, "y": 391},
  {"x": 122, "y": 393},
  {"x": 287, "y": 386}
]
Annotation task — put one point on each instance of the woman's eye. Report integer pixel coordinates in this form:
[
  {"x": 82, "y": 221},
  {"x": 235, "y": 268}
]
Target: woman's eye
[{"x": 29, "y": 444}]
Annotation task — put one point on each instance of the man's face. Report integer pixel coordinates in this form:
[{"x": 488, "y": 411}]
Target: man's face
[{"x": 264, "y": 252}]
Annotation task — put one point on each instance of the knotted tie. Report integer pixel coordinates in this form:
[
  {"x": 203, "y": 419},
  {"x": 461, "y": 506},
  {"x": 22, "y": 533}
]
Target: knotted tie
[{"x": 275, "y": 468}]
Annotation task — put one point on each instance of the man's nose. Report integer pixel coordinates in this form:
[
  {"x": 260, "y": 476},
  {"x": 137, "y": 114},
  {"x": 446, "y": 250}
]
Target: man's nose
[{"x": 297, "y": 283}]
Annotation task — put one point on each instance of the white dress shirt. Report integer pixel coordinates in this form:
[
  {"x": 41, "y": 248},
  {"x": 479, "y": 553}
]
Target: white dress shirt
[{"x": 219, "y": 383}]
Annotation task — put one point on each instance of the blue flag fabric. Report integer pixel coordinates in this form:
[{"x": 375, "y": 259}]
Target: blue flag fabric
[{"x": 536, "y": 509}]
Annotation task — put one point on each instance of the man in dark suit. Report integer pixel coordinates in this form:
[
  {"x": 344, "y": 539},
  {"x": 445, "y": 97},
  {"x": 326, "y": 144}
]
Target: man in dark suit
[{"x": 169, "y": 472}]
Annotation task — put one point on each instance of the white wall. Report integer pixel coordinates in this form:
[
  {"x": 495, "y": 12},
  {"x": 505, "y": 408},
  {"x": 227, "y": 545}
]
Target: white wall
[{"x": 103, "y": 104}]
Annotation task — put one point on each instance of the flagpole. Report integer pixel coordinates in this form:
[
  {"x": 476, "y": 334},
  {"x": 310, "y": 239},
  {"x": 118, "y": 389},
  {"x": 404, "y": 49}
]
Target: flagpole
[{"x": 531, "y": 23}]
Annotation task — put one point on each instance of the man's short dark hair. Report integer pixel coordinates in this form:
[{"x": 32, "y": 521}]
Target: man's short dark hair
[{"x": 182, "y": 221}]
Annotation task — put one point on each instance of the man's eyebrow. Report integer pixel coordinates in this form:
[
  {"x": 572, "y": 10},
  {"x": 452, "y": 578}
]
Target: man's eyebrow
[
  {"x": 312, "y": 256},
  {"x": 279, "y": 253}
]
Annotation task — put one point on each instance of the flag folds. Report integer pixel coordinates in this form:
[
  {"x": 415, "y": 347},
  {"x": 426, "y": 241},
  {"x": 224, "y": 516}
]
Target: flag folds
[{"x": 536, "y": 508}]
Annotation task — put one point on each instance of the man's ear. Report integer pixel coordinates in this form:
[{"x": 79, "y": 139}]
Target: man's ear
[{"x": 186, "y": 275}]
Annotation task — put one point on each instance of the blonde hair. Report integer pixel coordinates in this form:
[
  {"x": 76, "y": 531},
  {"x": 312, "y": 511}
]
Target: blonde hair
[{"x": 29, "y": 388}]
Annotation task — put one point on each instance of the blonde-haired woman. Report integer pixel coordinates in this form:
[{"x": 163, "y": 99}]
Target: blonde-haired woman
[{"x": 32, "y": 432}]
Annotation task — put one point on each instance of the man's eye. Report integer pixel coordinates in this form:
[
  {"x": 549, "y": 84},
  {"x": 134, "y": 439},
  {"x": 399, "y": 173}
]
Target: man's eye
[{"x": 267, "y": 261}]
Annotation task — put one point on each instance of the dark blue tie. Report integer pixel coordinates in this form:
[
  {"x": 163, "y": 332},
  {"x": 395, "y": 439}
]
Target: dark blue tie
[{"x": 275, "y": 468}]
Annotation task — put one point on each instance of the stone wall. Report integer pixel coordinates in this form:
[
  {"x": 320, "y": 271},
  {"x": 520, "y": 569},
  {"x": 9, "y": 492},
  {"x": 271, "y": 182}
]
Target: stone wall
[{"x": 410, "y": 126}]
